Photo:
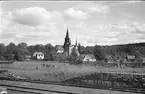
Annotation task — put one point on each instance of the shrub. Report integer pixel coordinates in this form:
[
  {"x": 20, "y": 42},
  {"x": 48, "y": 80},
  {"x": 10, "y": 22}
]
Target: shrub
[{"x": 2, "y": 58}]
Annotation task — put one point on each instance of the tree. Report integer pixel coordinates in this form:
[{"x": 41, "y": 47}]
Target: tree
[
  {"x": 2, "y": 58},
  {"x": 89, "y": 50},
  {"x": 11, "y": 48},
  {"x": 19, "y": 55},
  {"x": 81, "y": 49},
  {"x": 137, "y": 54},
  {"x": 59, "y": 57},
  {"x": 31, "y": 49},
  {"x": 23, "y": 48},
  {"x": 86, "y": 50},
  {"x": 21, "y": 52},
  {"x": 74, "y": 53},
  {"x": 2, "y": 49},
  {"x": 99, "y": 53},
  {"x": 128, "y": 49},
  {"x": 38, "y": 48},
  {"x": 49, "y": 51},
  {"x": 74, "y": 59}
]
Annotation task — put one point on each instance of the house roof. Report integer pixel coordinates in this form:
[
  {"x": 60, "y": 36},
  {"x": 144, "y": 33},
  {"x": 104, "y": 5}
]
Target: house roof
[
  {"x": 38, "y": 53},
  {"x": 130, "y": 57}
]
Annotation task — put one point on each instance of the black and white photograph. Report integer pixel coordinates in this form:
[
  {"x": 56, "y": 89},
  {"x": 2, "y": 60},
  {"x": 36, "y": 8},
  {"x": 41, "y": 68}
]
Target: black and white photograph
[{"x": 72, "y": 47}]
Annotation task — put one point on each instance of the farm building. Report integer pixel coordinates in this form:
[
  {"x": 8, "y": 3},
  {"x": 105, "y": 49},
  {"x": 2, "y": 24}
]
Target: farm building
[
  {"x": 38, "y": 55},
  {"x": 130, "y": 58},
  {"x": 87, "y": 57},
  {"x": 59, "y": 49}
]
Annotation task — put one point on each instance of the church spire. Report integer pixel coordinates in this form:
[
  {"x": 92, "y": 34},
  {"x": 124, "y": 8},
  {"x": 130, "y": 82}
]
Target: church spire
[
  {"x": 76, "y": 43},
  {"x": 67, "y": 43},
  {"x": 67, "y": 34}
]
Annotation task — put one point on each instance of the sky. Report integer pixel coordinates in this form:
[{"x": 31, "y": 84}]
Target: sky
[{"x": 88, "y": 22}]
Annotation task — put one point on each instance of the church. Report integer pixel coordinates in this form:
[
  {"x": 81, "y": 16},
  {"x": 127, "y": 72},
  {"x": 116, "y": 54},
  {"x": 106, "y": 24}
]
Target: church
[{"x": 68, "y": 48}]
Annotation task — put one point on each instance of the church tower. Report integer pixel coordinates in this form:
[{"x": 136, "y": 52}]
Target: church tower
[
  {"x": 67, "y": 43},
  {"x": 76, "y": 49}
]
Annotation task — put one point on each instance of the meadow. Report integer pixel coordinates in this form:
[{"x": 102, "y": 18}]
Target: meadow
[{"x": 55, "y": 71}]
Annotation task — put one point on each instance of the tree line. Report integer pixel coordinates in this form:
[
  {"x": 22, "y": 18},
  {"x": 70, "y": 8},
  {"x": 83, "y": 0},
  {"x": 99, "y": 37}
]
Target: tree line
[
  {"x": 119, "y": 51},
  {"x": 18, "y": 52}
]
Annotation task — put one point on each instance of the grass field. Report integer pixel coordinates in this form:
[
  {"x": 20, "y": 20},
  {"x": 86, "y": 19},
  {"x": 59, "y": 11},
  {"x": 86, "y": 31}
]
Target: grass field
[{"x": 54, "y": 71}]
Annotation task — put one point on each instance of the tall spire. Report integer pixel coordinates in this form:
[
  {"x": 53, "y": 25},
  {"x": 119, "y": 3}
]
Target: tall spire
[
  {"x": 76, "y": 42},
  {"x": 67, "y": 34},
  {"x": 67, "y": 43}
]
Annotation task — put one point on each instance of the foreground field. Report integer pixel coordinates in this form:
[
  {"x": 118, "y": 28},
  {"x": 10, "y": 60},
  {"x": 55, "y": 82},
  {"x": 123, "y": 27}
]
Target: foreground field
[
  {"x": 54, "y": 71},
  {"x": 16, "y": 92},
  {"x": 59, "y": 89}
]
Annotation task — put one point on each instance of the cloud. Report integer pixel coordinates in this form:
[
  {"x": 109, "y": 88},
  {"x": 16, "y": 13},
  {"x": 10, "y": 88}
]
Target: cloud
[
  {"x": 31, "y": 25},
  {"x": 93, "y": 7},
  {"x": 99, "y": 8},
  {"x": 0, "y": 19},
  {"x": 38, "y": 25},
  {"x": 34, "y": 16},
  {"x": 82, "y": 38},
  {"x": 120, "y": 34},
  {"x": 81, "y": 25},
  {"x": 132, "y": 2},
  {"x": 85, "y": 10},
  {"x": 140, "y": 28},
  {"x": 75, "y": 13},
  {"x": 119, "y": 3},
  {"x": 23, "y": 33}
]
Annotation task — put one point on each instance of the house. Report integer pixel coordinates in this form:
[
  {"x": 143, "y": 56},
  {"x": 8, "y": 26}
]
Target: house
[
  {"x": 3, "y": 90},
  {"x": 38, "y": 55},
  {"x": 59, "y": 49},
  {"x": 109, "y": 59},
  {"x": 130, "y": 58},
  {"x": 87, "y": 57}
]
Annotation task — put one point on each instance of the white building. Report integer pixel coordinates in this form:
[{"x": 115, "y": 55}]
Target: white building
[
  {"x": 3, "y": 90},
  {"x": 59, "y": 49},
  {"x": 87, "y": 57},
  {"x": 38, "y": 55}
]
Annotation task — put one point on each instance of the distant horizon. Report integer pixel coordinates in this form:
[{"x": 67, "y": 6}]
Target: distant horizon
[
  {"x": 90, "y": 22},
  {"x": 74, "y": 44}
]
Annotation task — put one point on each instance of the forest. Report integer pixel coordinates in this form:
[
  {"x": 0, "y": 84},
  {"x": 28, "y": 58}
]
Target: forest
[{"x": 18, "y": 52}]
